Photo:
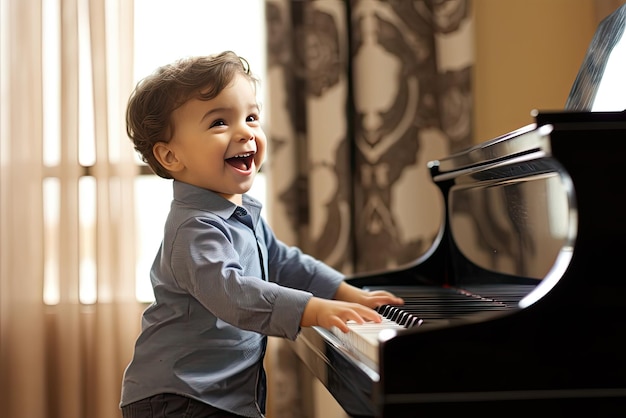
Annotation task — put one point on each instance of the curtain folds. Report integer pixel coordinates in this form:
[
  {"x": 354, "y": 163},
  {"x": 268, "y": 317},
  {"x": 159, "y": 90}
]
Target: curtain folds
[
  {"x": 362, "y": 94},
  {"x": 22, "y": 327},
  {"x": 65, "y": 358}
]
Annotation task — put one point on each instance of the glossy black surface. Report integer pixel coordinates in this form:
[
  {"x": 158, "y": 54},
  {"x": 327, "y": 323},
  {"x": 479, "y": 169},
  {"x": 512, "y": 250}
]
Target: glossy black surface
[{"x": 554, "y": 344}]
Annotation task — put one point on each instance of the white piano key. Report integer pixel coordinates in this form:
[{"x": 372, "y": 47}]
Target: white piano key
[{"x": 364, "y": 338}]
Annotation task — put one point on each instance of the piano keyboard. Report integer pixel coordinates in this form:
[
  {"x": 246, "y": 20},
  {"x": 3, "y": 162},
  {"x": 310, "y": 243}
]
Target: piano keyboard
[
  {"x": 426, "y": 306},
  {"x": 364, "y": 337}
]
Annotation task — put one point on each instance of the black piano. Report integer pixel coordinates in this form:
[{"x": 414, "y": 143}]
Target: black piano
[{"x": 521, "y": 300}]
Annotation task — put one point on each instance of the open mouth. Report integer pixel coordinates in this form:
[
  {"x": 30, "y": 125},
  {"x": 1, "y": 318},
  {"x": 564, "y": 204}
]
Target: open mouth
[{"x": 241, "y": 161}]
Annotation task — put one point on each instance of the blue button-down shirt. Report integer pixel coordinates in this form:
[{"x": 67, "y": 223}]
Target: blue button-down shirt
[{"x": 222, "y": 282}]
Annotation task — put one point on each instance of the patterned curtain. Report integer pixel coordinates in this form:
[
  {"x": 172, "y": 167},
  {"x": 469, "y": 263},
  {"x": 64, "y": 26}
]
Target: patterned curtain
[{"x": 362, "y": 94}]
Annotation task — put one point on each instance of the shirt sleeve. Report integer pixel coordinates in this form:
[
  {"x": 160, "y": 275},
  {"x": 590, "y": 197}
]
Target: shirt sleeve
[
  {"x": 290, "y": 267},
  {"x": 228, "y": 283}
]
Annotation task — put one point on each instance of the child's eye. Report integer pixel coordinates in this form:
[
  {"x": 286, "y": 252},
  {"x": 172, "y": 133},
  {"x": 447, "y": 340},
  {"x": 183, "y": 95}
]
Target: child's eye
[
  {"x": 252, "y": 118},
  {"x": 219, "y": 122}
]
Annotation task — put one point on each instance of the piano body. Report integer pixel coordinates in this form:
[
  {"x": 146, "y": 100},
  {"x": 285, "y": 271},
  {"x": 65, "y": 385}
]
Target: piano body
[{"x": 522, "y": 297}]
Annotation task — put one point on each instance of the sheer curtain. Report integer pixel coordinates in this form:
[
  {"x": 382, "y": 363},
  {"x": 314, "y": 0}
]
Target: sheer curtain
[{"x": 67, "y": 225}]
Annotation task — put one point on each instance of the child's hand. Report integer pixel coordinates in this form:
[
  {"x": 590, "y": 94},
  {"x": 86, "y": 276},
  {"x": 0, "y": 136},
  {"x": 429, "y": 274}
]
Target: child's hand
[
  {"x": 328, "y": 313},
  {"x": 372, "y": 299}
]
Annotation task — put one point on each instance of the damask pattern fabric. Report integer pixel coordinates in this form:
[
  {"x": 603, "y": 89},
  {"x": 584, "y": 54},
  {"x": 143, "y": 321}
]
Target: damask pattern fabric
[{"x": 362, "y": 95}]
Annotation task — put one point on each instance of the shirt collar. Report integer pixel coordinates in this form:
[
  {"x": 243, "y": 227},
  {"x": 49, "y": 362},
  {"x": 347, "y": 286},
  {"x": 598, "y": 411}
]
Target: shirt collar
[{"x": 208, "y": 200}]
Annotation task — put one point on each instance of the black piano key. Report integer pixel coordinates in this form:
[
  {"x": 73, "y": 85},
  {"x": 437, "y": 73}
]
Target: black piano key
[
  {"x": 399, "y": 315},
  {"x": 447, "y": 303}
]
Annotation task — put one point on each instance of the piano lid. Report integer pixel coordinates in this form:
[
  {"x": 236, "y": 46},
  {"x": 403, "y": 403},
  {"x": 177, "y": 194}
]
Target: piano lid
[
  {"x": 499, "y": 190},
  {"x": 600, "y": 84}
]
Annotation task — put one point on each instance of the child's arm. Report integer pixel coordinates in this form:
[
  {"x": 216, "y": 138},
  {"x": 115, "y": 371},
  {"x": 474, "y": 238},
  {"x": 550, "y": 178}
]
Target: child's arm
[{"x": 351, "y": 303}]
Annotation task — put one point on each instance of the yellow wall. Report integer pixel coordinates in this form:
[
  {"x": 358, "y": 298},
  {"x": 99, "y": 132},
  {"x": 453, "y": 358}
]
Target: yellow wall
[{"x": 528, "y": 53}]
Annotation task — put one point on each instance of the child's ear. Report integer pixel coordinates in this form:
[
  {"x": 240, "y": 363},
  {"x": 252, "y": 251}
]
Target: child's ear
[{"x": 166, "y": 156}]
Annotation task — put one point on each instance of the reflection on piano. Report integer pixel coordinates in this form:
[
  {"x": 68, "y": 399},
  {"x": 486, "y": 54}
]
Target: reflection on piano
[{"x": 519, "y": 307}]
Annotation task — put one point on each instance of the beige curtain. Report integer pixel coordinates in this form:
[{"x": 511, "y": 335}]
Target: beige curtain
[{"x": 64, "y": 358}]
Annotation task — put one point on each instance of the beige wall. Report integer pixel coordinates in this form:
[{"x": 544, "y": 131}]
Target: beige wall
[{"x": 528, "y": 53}]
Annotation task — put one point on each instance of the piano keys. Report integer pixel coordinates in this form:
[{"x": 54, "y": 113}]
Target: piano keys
[
  {"x": 520, "y": 305},
  {"x": 429, "y": 307},
  {"x": 362, "y": 339}
]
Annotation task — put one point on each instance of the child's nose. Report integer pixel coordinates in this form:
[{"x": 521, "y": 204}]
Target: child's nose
[{"x": 245, "y": 134}]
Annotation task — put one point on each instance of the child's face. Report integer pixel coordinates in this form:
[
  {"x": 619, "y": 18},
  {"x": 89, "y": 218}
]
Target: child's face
[{"x": 219, "y": 144}]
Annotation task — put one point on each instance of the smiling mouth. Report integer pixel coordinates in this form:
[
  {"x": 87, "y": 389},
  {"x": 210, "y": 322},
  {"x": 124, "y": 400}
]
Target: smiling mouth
[{"x": 241, "y": 161}]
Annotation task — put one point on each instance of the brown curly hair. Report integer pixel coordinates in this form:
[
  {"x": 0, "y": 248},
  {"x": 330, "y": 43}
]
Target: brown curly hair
[{"x": 150, "y": 106}]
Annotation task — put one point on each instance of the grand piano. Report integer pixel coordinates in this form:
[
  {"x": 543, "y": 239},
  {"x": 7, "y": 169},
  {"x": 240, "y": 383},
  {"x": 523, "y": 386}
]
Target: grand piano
[{"x": 519, "y": 307}]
